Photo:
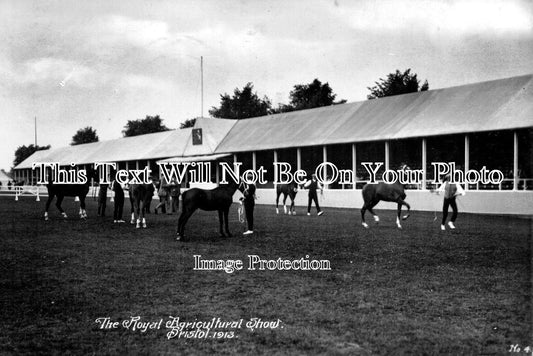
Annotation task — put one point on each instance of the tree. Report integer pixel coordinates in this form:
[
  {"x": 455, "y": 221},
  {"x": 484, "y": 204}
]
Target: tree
[
  {"x": 313, "y": 95},
  {"x": 85, "y": 135},
  {"x": 396, "y": 84},
  {"x": 308, "y": 96},
  {"x": 23, "y": 152},
  {"x": 244, "y": 104},
  {"x": 147, "y": 125},
  {"x": 187, "y": 123},
  {"x": 282, "y": 108}
]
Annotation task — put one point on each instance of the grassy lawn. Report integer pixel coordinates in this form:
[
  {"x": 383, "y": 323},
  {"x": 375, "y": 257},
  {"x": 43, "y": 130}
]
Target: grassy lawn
[{"x": 389, "y": 292}]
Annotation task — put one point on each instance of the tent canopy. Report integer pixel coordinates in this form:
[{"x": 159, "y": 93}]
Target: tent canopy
[{"x": 487, "y": 106}]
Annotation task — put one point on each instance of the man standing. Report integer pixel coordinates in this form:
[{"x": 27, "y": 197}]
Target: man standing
[
  {"x": 102, "y": 199},
  {"x": 313, "y": 184},
  {"x": 451, "y": 191},
  {"x": 164, "y": 197},
  {"x": 119, "y": 202},
  {"x": 249, "y": 205},
  {"x": 175, "y": 195}
]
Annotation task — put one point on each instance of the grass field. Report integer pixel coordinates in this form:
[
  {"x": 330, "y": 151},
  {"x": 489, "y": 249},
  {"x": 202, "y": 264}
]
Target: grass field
[{"x": 389, "y": 292}]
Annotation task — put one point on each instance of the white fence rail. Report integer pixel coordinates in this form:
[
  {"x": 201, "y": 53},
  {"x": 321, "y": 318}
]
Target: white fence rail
[
  {"x": 36, "y": 191},
  {"x": 17, "y": 191},
  {"x": 39, "y": 191}
]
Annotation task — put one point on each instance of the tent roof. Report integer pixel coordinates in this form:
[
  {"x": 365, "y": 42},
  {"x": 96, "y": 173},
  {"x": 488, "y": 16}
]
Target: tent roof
[
  {"x": 151, "y": 146},
  {"x": 494, "y": 105},
  {"x": 173, "y": 143},
  {"x": 4, "y": 176},
  {"x": 213, "y": 131}
]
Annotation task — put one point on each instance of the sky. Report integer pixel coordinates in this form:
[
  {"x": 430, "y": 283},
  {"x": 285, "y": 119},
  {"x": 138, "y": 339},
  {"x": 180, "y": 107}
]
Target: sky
[{"x": 73, "y": 64}]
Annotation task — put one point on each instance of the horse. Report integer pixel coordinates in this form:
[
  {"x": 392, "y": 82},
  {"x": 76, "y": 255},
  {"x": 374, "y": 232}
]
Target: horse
[
  {"x": 69, "y": 190},
  {"x": 140, "y": 198},
  {"x": 219, "y": 199},
  {"x": 290, "y": 190},
  {"x": 374, "y": 193}
]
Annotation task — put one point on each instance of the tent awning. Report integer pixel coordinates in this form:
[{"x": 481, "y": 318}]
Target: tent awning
[
  {"x": 204, "y": 158},
  {"x": 504, "y": 104}
]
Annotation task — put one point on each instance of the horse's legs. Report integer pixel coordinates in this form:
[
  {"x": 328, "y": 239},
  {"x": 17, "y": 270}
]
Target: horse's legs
[
  {"x": 138, "y": 213},
  {"x": 178, "y": 229},
  {"x": 285, "y": 203},
  {"x": 141, "y": 211},
  {"x": 48, "y": 202},
  {"x": 408, "y": 209},
  {"x": 363, "y": 210},
  {"x": 292, "y": 210},
  {"x": 185, "y": 215},
  {"x": 58, "y": 205},
  {"x": 221, "y": 222},
  {"x": 368, "y": 206},
  {"x": 83, "y": 213},
  {"x": 399, "y": 213},
  {"x": 278, "y": 193},
  {"x": 226, "y": 212},
  {"x": 132, "y": 221}
]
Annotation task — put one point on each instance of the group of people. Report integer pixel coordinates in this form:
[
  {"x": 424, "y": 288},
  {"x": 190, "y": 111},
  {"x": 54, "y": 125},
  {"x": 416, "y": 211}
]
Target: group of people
[
  {"x": 169, "y": 200},
  {"x": 450, "y": 190},
  {"x": 169, "y": 195},
  {"x": 118, "y": 208}
]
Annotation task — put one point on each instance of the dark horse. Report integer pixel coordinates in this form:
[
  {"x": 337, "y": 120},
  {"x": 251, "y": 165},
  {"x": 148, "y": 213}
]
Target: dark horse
[
  {"x": 140, "y": 197},
  {"x": 68, "y": 190},
  {"x": 219, "y": 199},
  {"x": 289, "y": 190},
  {"x": 374, "y": 193}
]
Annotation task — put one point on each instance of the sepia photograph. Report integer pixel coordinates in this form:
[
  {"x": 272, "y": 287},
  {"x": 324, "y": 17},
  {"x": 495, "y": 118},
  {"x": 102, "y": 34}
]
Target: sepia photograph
[{"x": 323, "y": 177}]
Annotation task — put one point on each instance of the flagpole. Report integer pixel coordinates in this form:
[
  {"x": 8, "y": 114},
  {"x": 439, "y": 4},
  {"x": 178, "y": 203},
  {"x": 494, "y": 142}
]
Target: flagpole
[
  {"x": 35, "y": 127},
  {"x": 202, "y": 85}
]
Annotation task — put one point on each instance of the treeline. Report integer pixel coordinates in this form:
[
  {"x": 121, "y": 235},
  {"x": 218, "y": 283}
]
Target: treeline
[{"x": 246, "y": 103}]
